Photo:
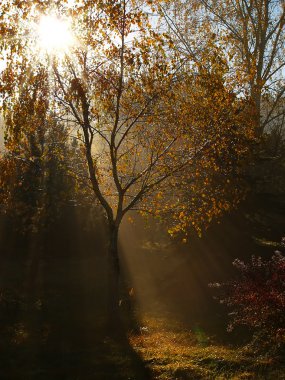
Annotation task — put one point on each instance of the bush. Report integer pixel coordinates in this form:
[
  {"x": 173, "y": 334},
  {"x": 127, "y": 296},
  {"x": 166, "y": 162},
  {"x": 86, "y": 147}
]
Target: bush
[{"x": 256, "y": 298}]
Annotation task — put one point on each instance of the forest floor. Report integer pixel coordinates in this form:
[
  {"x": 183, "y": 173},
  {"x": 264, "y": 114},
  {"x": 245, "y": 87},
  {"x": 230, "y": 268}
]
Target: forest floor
[
  {"x": 158, "y": 350},
  {"x": 51, "y": 328},
  {"x": 172, "y": 353}
]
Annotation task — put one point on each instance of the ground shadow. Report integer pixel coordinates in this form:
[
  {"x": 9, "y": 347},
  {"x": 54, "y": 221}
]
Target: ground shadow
[{"x": 53, "y": 309}]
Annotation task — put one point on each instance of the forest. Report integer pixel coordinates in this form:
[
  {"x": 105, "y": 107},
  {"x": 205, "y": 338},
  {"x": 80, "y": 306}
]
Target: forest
[{"x": 142, "y": 189}]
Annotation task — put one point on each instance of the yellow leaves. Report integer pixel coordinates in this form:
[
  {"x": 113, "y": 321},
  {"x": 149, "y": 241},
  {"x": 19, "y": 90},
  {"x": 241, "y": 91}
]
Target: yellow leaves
[
  {"x": 164, "y": 116},
  {"x": 170, "y": 231},
  {"x": 159, "y": 195}
]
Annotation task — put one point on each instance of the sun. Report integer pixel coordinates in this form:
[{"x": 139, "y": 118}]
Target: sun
[{"x": 54, "y": 34}]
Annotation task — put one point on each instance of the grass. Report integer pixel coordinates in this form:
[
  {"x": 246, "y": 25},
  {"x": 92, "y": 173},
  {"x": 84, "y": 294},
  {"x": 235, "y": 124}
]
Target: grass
[
  {"x": 163, "y": 349},
  {"x": 55, "y": 333},
  {"x": 173, "y": 353}
]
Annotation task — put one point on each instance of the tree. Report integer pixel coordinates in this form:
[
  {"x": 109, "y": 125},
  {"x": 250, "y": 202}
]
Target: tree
[
  {"x": 208, "y": 113},
  {"x": 22, "y": 164},
  {"x": 121, "y": 89},
  {"x": 252, "y": 36},
  {"x": 35, "y": 178}
]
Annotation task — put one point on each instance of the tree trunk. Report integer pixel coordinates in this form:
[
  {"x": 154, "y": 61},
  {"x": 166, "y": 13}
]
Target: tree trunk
[
  {"x": 256, "y": 96},
  {"x": 113, "y": 278}
]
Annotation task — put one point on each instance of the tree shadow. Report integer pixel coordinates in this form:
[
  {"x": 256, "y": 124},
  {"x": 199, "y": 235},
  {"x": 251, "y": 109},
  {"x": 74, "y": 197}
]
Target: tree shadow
[{"x": 53, "y": 324}]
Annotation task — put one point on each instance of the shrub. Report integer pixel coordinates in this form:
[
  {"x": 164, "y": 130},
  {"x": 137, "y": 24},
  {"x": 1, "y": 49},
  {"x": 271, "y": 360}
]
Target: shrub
[{"x": 256, "y": 298}]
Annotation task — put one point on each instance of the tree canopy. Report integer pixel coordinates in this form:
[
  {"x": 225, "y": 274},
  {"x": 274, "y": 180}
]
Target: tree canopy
[
  {"x": 250, "y": 35},
  {"x": 160, "y": 132}
]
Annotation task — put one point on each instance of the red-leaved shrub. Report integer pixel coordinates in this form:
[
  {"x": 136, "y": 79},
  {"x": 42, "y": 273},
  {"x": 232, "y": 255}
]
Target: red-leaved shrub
[{"x": 256, "y": 298}]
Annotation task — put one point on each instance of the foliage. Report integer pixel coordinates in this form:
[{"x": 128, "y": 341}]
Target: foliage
[
  {"x": 247, "y": 37},
  {"x": 257, "y": 298},
  {"x": 38, "y": 175},
  {"x": 215, "y": 118},
  {"x": 147, "y": 120},
  {"x": 251, "y": 36}
]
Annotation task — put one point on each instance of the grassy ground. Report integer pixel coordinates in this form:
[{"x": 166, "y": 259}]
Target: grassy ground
[
  {"x": 52, "y": 325},
  {"x": 59, "y": 344},
  {"x": 172, "y": 353}
]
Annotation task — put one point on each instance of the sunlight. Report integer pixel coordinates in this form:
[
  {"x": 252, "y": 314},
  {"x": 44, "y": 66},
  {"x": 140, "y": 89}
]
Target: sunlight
[{"x": 55, "y": 35}]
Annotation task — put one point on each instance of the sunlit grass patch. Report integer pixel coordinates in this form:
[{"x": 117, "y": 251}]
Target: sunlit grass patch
[{"x": 171, "y": 352}]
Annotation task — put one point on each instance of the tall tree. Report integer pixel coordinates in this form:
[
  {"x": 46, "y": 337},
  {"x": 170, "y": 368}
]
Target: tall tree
[
  {"x": 122, "y": 91},
  {"x": 36, "y": 178},
  {"x": 252, "y": 36}
]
